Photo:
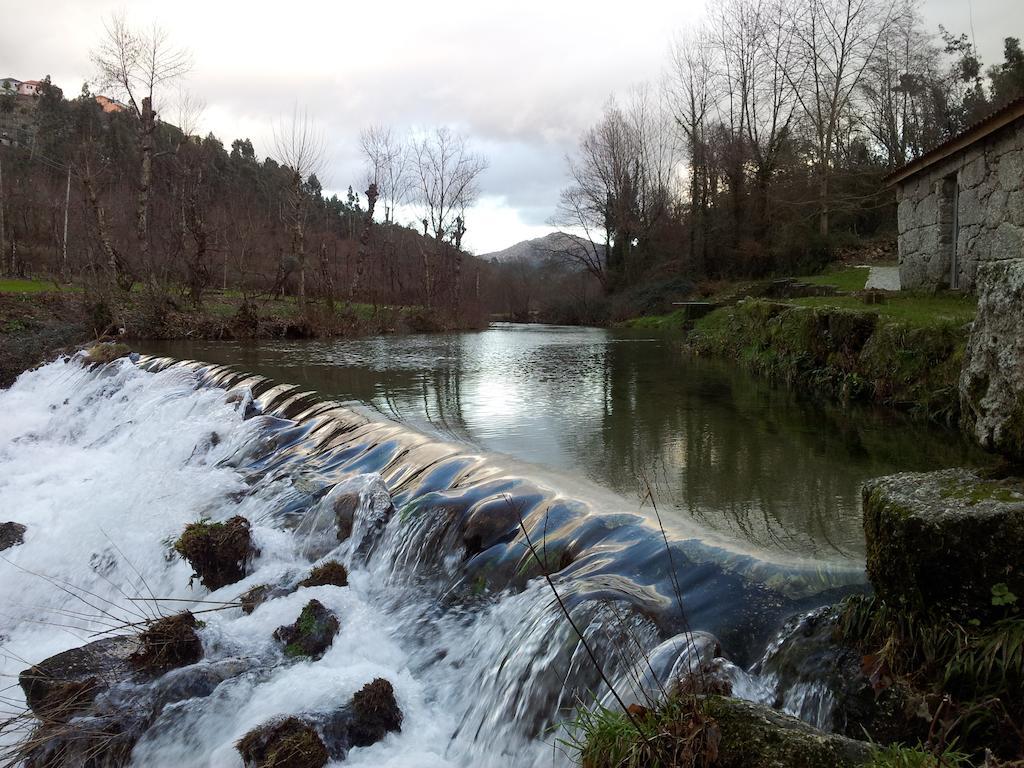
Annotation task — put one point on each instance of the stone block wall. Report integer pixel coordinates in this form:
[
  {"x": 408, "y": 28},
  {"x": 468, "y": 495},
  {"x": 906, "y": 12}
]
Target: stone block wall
[{"x": 990, "y": 212}]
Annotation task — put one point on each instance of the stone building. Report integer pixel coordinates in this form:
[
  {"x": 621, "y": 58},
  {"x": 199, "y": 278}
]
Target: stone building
[{"x": 962, "y": 203}]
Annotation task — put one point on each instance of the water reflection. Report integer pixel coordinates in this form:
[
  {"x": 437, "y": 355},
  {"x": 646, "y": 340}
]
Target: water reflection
[{"x": 750, "y": 461}]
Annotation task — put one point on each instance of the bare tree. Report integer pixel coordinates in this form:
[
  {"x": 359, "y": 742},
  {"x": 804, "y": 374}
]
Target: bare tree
[
  {"x": 691, "y": 87},
  {"x": 388, "y": 160},
  {"x": 190, "y": 109},
  {"x": 137, "y": 64},
  {"x": 836, "y": 42},
  {"x": 447, "y": 175},
  {"x": 299, "y": 146}
]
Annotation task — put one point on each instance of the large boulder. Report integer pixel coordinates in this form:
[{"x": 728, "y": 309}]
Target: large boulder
[
  {"x": 218, "y": 552},
  {"x": 992, "y": 378},
  {"x": 945, "y": 543},
  {"x": 11, "y": 535},
  {"x": 64, "y": 685}
]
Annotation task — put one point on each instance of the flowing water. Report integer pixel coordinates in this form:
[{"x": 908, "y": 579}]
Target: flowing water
[{"x": 105, "y": 467}]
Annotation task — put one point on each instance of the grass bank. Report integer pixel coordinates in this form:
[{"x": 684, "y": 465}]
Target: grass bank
[
  {"x": 905, "y": 353},
  {"x": 38, "y": 323}
]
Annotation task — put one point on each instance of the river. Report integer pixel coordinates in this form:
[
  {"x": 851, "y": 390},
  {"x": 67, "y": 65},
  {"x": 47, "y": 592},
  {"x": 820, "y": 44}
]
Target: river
[
  {"x": 461, "y": 449},
  {"x": 765, "y": 467}
]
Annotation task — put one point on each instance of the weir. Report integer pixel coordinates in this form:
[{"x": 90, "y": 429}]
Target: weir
[{"x": 445, "y": 599}]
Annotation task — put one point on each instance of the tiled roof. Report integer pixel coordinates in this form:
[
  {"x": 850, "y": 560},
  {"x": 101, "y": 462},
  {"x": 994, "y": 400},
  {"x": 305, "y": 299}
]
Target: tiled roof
[{"x": 987, "y": 125}]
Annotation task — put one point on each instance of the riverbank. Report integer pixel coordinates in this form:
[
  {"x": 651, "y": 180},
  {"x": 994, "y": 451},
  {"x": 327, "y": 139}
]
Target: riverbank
[
  {"x": 826, "y": 334},
  {"x": 38, "y": 322}
]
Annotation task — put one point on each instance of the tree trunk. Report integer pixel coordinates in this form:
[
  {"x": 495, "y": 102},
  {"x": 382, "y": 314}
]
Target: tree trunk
[
  {"x": 147, "y": 128},
  {"x": 823, "y": 201},
  {"x": 103, "y": 233}
]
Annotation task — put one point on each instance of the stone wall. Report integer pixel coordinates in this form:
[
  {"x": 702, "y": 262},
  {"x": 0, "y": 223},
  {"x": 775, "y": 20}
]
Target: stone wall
[
  {"x": 992, "y": 379},
  {"x": 990, "y": 177}
]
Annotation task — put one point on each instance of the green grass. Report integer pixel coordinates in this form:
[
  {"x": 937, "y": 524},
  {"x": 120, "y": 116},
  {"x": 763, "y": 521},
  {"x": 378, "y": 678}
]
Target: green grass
[
  {"x": 898, "y": 756},
  {"x": 673, "y": 320},
  {"x": 915, "y": 310},
  {"x": 26, "y": 286},
  {"x": 848, "y": 279}
]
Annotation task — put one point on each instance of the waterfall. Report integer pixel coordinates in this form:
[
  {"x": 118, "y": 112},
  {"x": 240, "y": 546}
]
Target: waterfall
[{"x": 106, "y": 466}]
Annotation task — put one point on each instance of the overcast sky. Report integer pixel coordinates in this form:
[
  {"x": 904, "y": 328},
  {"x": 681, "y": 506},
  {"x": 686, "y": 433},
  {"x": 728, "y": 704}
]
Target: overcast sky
[{"x": 522, "y": 78}]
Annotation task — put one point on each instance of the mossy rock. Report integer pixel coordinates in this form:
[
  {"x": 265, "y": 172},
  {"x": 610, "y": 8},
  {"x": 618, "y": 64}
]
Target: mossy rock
[
  {"x": 311, "y": 634},
  {"x": 217, "y": 552},
  {"x": 376, "y": 713},
  {"x": 945, "y": 543},
  {"x": 283, "y": 743},
  {"x": 101, "y": 354},
  {"x": 753, "y": 736},
  {"x": 331, "y": 573},
  {"x": 169, "y": 643}
]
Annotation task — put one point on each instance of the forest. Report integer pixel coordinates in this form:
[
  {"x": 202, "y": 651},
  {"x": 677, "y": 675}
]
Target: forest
[
  {"x": 764, "y": 147},
  {"x": 114, "y": 197},
  {"x": 761, "y": 150}
]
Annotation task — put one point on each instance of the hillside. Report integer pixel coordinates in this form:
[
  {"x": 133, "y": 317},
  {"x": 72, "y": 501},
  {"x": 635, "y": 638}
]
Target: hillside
[{"x": 539, "y": 249}]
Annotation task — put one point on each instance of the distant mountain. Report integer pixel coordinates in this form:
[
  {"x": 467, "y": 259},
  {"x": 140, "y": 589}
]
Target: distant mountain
[{"x": 540, "y": 249}]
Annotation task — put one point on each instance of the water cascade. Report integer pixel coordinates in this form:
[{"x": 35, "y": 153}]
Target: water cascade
[{"x": 106, "y": 466}]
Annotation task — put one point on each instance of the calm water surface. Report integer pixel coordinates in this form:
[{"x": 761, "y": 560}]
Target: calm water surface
[{"x": 754, "y": 463}]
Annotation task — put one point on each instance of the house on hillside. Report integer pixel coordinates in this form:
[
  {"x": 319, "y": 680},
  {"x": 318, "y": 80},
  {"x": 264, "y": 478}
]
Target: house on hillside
[
  {"x": 962, "y": 203},
  {"x": 9, "y": 85},
  {"x": 110, "y": 105},
  {"x": 31, "y": 88}
]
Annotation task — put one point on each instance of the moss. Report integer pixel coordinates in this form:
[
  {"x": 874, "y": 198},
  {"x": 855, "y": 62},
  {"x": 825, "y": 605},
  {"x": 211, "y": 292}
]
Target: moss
[
  {"x": 286, "y": 743},
  {"x": 846, "y": 352},
  {"x": 331, "y": 573},
  {"x": 376, "y": 713},
  {"x": 978, "y": 492},
  {"x": 101, "y": 354},
  {"x": 169, "y": 643},
  {"x": 687, "y": 731},
  {"x": 217, "y": 552},
  {"x": 311, "y": 634}
]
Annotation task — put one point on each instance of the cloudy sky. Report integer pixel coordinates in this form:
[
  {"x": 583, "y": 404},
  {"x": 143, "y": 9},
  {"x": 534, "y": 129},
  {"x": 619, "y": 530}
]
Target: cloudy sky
[{"x": 523, "y": 79}]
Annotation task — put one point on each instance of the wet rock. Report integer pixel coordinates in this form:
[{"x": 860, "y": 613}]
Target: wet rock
[
  {"x": 992, "y": 377},
  {"x": 753, "y": 736},
  {"x": 217, "y": 552},
  {"x": 375, "y": 713},
  {"x": 11, "y": 535},
  {"x": 64, "y": 685},
  {"x": 168, "y": 643},
  {"x": 91, "y": 742},
  {"x": 362, "y": 503},
  {"x": 945, "y": 543},
  {"x": 490, "y": 523},
  {"x": 283, "y": 743},
  {"x": 371, "y": 715},
  {"x": 311, "y": 634},
  {"x": 254, "y": 598},
  {"x": 331, "y": 573},
  {"x": 821, "y": 678},
  {"x": 345, "y": 507}
]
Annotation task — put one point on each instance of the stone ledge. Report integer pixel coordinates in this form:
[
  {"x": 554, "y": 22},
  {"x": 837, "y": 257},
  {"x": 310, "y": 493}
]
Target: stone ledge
[{"x": 938, "y": 543}]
